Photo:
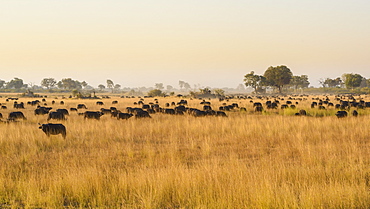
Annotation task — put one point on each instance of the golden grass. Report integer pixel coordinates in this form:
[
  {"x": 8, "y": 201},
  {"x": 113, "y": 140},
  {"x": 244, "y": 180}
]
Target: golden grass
[{"x": 247, "y": 160}]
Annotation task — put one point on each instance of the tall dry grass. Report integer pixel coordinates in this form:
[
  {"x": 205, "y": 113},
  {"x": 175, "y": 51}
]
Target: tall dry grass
[{"x": 247, "y": 160}]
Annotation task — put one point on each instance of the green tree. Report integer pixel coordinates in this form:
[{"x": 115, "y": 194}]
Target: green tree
[
  {"x": 15, "y": 83},
  {"x": 254, "y": 81},
  {"x": 278, "y": 76},
  {"x": 205, "y": 91},
  {"x": 84, "y": 84},
  {"x": 159, "y": 86},
  {"x": 219, "y": 92},
  {"x": 117, "y": 86},
  {"x": 169, "y": 87},
  {"x": 2, "y": 84},
  {"x": 69, "y": 83},
  {"x": 299, "y": 82},
  {"x": 332, "y": 82},
  {"x": 48, "y": 82},
  {"x": 187, "y": 86},
  {"x": 352, "y": 80},
  {"x": 181, "y": 84},
  {"x": 155, "y": 93},
  {"x": 110, "y": 84},
  {"x": 101, "y": 87}
]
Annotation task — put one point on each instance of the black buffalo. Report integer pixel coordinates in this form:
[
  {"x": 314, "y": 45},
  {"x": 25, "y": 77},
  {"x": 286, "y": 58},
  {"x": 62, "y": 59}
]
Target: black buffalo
[
  {"x": 169, "y": 111},
  {"x": 142, "y": 114},
  {"x": 42, "y": 110},
  {"x": 16, "y": 115},
  {"x": 63, "y": 111},
  {"x": 93, "y": 115},
  {"x": 124, "y": 116},
  {"x": 81, "y": 106},
  {"x": 341, "y": 114},
  {"x": 258, "y": 109},
  {"x": 19, "y": 106},
  {"x": 302, "y": 112},
  {"x": 53, "y": 129},
  {"x": 221, "y": 114},
  {"x": 106, "y": 111},
  {"x": 56, "y": 116}
]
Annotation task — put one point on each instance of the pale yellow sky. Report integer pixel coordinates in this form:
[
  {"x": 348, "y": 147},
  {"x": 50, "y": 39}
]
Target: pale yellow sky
[{"x": 213, "y": 43}]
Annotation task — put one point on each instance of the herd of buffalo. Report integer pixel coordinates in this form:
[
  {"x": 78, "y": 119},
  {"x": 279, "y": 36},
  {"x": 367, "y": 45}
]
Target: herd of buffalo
[{"x": 345, "y": 105}]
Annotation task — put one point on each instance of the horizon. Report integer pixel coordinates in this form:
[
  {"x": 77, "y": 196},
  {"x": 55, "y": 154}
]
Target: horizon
[{"x": 210, "y": 43}]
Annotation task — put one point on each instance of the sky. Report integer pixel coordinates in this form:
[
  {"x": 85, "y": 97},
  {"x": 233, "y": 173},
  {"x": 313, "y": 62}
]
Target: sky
[{"x": 207, "y": 42}]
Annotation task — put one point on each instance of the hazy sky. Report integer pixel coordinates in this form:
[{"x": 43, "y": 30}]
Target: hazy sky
[{"x": 208, "y": 42}]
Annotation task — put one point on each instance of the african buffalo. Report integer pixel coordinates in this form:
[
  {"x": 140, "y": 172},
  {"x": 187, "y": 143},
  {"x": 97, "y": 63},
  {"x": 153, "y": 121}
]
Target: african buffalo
[
  {"x": 18, "y": 106},
  {"x": 124, "y": 116},
  {"x": 99, "y": 103},
  {"x": 93, "y": 115},
  {"x": 56, "y": 116},
  {"x": 142, "y": 114},
  {"x": 63, "y": 111},
  {"x": 221, "y": 114},
  {"x": 42, "y": 110},
  {"x": 258, "y": 109},
  {"x": 16, "y": 115},
  {"x": 302, "y": 112},
  {"x": 81, "y": 106},
  {"x": 105, "y": 111},
  {"x": 341, "y": 114},
  {"x": 354, "y": 113},
  {"x": 53, "y": 129},
  {"x": 169, "y": 111},
  {"x": 207, "y": 107},
  {"x": 199, "y": 113}
]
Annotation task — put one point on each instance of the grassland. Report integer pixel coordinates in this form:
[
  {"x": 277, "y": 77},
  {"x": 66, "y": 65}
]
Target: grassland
[{"x": 247, "y": 160}]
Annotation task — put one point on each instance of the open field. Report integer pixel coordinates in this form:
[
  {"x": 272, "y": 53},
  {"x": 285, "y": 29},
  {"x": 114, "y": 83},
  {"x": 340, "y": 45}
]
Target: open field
[{"x": 246, "y": 160}]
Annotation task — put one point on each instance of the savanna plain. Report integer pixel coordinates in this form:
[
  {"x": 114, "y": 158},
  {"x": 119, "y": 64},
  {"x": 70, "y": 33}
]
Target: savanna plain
[{"x": 272, "y": 159}]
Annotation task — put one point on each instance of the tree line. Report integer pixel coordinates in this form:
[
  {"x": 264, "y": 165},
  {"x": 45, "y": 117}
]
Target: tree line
[{"x": 281, "y": 77}]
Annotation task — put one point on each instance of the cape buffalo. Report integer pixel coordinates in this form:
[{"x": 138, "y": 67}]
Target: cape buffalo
[
  {"x": 63, "y": 111},
  {"x": 302, "y": 112},
  {"x": 42, "y": 110},
  {"x": 81, "y": 106},
  {"x": 16, "y": 115},
  {"x": 56, "y": 116},
  {"x": 220, "y": 113},
  {"x": 18, "y": 106},
  {"x": 142, "y": 114},
  {"x": 341, "y": 114},
  {"x": 93, "y": 115},
  {"x": 354, "y": 113},
  {"x": 169, "y": 111},
  {"x": 124, "y": 116},
  {"x": 258, "y": 109},
  {"x": 207, "y": 107},
  {"x": 53, "y": 129}
]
